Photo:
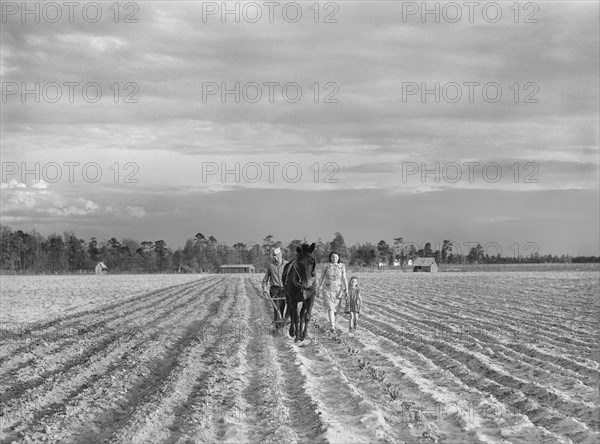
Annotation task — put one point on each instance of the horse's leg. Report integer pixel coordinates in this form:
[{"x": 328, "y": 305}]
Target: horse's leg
[
  {"x": 307, "y": 311},
  {"x": 286, "y": 308},
  {"x": 297, "y": 321},
  {"x": 300, "y": 332},
  {"x": 293, "y": 307}
]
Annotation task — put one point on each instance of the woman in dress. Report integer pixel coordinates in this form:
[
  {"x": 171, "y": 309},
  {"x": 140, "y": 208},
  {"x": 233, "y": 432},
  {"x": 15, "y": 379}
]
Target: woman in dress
[{"x": 334, "y": 285}]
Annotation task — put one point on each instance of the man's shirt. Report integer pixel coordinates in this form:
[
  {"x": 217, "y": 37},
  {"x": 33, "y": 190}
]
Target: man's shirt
[{"x": 274, "y": 273}]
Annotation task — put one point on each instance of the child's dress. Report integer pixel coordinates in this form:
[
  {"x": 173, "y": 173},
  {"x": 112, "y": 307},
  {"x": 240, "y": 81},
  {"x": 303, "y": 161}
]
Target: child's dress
[{"x": 352, "y": 301}]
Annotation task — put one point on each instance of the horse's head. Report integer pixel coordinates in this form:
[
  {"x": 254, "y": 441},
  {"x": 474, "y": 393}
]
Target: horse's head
[{"x": 305, "y": 266}]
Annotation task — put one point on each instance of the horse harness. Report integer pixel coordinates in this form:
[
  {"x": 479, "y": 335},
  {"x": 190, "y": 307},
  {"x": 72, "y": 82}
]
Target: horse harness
[{"x": 297, "y": 284}]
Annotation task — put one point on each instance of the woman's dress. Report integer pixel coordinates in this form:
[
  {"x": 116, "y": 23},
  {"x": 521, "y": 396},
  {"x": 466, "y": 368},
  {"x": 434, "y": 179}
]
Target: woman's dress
[{"x": 333, "y": 277}]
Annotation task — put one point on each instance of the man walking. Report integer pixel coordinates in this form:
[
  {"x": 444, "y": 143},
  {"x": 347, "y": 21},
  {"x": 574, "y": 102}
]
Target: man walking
[{"x": 273, "y": 277}]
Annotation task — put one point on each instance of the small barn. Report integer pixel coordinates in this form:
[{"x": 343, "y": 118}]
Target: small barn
[
  {"x": 238, "y": 268},
  {"x": 100, "y": 268},
  {"x": 425, "y": 264},
  {"x": 92, "y": 268}
]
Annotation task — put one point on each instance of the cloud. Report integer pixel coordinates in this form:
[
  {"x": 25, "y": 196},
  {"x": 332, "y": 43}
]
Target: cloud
[
  {"x": 12, "y": 184},
  {"x": 20, "y": 199},
  {"x": 42, "y": 185},
  {"x": 81, "y": 207},
  {"x": 38, "y": 201},
  {"x": 137, "y": 212}
]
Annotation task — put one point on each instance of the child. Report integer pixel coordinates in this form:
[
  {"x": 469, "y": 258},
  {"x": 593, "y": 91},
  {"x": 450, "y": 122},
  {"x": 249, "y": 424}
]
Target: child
[{"x": 353, "y": 302}]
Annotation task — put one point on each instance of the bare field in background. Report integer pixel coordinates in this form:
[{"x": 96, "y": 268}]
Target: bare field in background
[{"x": 38, "y": 298}]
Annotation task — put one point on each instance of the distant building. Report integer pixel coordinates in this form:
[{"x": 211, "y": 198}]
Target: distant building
[
  {"x": 397, "y": 263},
  {"x": 100, "y": 268},
  {"x": 93, "y": 268},
  {"x": 238, "y": 268},
  {"x": 426, "y": 264},
  {"x": 409, "y": 263}
]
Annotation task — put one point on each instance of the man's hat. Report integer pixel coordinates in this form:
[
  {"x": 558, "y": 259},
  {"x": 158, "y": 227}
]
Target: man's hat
[{"x": 276, "y": 251}]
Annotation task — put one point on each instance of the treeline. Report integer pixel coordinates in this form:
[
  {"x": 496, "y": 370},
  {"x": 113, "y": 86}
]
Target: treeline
[
  {"x": 30, "y": 252},
  {"x": 22, "y": 252},
  {"x": 447, "y": 252}
]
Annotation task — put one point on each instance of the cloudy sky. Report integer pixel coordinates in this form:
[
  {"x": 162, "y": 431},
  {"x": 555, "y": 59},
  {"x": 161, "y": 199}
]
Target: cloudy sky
[{"x": 158, "y": 120}]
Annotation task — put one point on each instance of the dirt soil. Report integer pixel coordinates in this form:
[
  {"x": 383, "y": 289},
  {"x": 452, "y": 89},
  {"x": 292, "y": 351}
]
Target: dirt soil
[{"x": 201, "y": 362}]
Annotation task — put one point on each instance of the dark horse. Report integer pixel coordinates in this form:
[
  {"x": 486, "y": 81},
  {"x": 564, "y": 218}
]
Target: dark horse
[{"x": 300, "y": 285}]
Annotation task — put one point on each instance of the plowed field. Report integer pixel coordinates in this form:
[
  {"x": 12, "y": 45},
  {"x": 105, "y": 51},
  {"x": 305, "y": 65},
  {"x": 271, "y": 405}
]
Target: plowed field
[{"x": 456, "y": 358}]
